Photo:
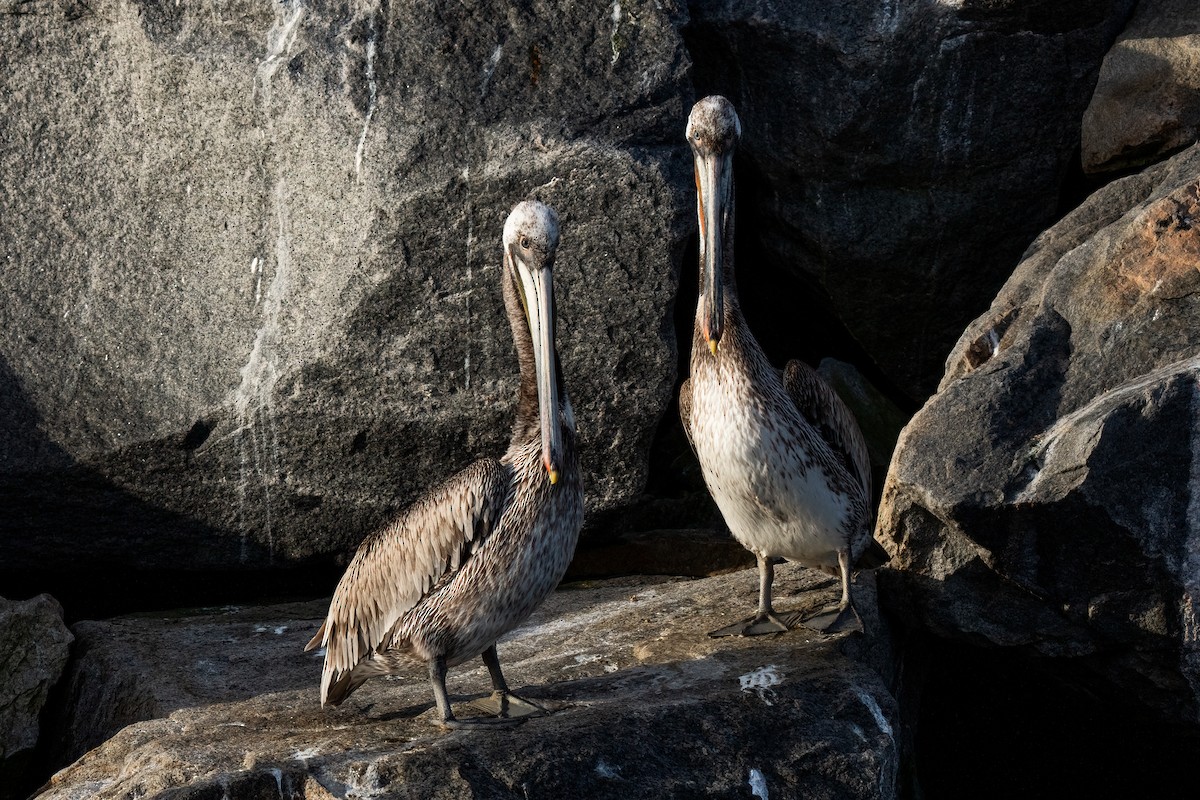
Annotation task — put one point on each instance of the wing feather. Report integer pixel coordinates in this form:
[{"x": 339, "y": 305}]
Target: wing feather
[
  {"x": 822, "y": 407},
  {"x": 685, "y": 410},
  {"x": 397, "y": 565}
]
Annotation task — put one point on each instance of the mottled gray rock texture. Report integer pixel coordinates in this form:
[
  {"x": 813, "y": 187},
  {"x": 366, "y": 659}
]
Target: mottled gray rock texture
[
  {"x": 899, "y": 155},
  {"x": 34, "y": 645},
  {"x": 1147, "y": 99},
  {"x": 1047, "y": 498},
  {"x": 644, "y": 705},
  {"x": 250, "y": 301}
]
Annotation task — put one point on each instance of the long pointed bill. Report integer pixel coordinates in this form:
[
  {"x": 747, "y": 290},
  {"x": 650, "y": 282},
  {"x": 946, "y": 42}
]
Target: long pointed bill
[
  {"x": 713, "y": 171},
  {"x": 539, "y": 299}
]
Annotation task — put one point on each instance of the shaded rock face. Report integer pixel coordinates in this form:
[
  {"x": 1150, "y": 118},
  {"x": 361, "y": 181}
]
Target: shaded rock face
[
  {"x": 1046, "y": 498},
  {"x": 1147, "y": 99},
  {"x": 644, "y": 704},
  {"x": 900, "y": 156},
  {"x": 251, "y": 296},
  {"x": 34, "y": 645}
]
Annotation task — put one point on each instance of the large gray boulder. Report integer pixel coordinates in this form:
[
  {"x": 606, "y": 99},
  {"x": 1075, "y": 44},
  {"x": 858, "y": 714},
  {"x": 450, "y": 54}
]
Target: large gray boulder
[
  {"x": 1147, "y": 99},
  {"x": 34, "y": 645},
  {"x": 1046, "y": 498},
  {"x": 251, "y": 301},
  {"x": 644, "y": 705},
  {"x": 899, "y": 156}
]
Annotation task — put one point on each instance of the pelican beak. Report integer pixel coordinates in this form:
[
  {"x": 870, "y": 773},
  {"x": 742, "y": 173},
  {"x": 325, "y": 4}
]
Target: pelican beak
[
  {"x": 714, "y": 171},
  {"x": 537, "y": 289}
]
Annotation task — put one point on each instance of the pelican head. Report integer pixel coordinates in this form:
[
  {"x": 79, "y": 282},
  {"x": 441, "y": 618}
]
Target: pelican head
[
  {"x": 713, "y": 131},
  {"x": 530, "y": 241}
]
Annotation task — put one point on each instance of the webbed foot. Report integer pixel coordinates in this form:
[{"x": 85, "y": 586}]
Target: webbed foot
[
  {"x": 834, "y": 619},
  {"x": 758, "y": 625},
  {"x": 506, "y": 705},
  {"x": 475, "y": 723}
]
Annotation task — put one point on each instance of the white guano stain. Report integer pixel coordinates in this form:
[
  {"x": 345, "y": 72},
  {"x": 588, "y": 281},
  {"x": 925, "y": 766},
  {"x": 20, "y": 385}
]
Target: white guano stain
[
  {"x": 280, "y": 39},
  {"x": 758, "y": 785},
  {"x": 616, "y": 29},
  {"x": 489, "y": 69},
  {"x": 760, "y": 682},
  {"x": 253, "y": 400},
  {"x": 372, "y": 95},
  {"x": 876, "y": 712}
]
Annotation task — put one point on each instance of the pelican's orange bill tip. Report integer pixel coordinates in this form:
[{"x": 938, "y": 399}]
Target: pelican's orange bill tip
[
  {"x": 553, "y": 473},
  {"x": 712, "y": 346}
]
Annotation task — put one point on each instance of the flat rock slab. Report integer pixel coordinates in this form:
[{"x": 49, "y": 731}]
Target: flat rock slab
[{"x": 642, "y": 704}]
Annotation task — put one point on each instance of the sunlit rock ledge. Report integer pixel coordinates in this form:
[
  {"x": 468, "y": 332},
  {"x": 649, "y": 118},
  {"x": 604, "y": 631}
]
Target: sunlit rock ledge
[{"x": 643, "y": 703}]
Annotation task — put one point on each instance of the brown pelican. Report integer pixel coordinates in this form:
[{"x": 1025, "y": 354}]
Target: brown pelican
[
  {"x": 781, "y": 454},
  {"x": 476, "y": 555}
]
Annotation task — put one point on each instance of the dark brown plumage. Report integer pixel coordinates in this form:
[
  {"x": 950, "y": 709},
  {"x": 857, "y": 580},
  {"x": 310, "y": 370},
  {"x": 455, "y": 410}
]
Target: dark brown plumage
[{"x": 477, "y": 554}]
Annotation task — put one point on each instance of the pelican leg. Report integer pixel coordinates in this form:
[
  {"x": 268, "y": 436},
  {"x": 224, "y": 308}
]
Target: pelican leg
[
  {"x": 437, "y": 676},
  {"x": 842, "y": 617},
  {"x": 764, "y": 621},
  {"x": 503, "y": 704}
]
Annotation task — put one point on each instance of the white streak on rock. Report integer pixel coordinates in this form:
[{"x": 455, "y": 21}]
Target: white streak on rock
[
  {"x": 256, "y": 270},
  {"x": 253, "y": 402},
  {"x": 760, "y": 682},
  {"x": 616, "y": 27},
  {"x": 372, "y": 94},
  {"x": 876, "y": 712},
  {"x": 758, "y": 785},
  {"x": 489, "y": 69},
  {"x": 280, "y": 39}
]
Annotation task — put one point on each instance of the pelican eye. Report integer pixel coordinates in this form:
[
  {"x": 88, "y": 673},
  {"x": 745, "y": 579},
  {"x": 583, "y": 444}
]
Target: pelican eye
[{"x": 525, "y": 242}]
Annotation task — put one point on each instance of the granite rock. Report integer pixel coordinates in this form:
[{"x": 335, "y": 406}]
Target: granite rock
[
  {"x": 642, "y": 703},
  {"x": 34, "y": 646},
  {"x": 1045, "y": 499},
  {"x": 1147, "y": 99},
  {"x": 898, "y": 157},
  {"x": 251, "y": 297}
]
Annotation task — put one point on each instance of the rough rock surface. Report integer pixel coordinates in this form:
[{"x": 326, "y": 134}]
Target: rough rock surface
[
  {"x": 1147, "y": 99},
  {"x": 644, "y": 705},
  {"x": 34, "y": 645},
  {"x": 1047, "y": 498},
  {"x": 250, "y": 296},
  {"x": 899, "y": 155}
]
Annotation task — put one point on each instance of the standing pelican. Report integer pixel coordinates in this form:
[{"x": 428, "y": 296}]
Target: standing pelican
[
  {"x": 781, "y": 454},
  {"x": 476, "y": 555}
]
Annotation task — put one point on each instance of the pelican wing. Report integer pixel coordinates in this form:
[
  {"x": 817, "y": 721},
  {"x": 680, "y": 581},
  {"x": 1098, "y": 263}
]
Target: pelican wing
[
  {"x": 396, "y": 566},
  {"x": 825, "y": 411},
  {"x": 685, "y": 410}
]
